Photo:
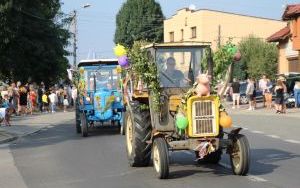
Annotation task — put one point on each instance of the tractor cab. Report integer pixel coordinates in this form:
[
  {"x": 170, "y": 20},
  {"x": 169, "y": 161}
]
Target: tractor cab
[{"x": 101, "y": 100}]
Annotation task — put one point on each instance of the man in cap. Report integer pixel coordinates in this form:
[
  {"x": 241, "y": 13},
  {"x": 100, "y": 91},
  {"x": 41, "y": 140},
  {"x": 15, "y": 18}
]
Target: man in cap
[{"x": 172, "y": 77}]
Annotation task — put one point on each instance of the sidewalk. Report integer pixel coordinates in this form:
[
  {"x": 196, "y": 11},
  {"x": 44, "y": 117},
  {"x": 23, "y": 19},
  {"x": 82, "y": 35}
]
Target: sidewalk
[
  {"x": 26, "y": 125},
  {"x": 260, "y": 111}
]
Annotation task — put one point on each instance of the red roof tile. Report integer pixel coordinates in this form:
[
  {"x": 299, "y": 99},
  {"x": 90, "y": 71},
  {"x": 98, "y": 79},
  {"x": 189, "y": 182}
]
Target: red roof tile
[
  {"x": 291, "y": 11},
  {"x": 279, "y": 35}
]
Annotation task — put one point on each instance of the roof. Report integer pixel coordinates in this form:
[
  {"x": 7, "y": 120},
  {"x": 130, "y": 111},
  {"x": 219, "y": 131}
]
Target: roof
[
  {"x": 280, "y": 35},
  {"x": 291, "y": 11},
  {"x": 178, "y": 44},
  {"x": 91, "y": 62},
  {"x": 211, "y": 10}
]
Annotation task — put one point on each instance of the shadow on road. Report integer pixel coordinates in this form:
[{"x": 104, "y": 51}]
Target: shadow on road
[
  {"x": 265, "y": 161},
  {"x": 60, "y": 133},
  {"x": 186, "y": 161}
]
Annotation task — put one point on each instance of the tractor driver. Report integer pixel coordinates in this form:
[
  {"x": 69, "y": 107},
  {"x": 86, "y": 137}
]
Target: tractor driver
[{"x": 172, "y": 77}]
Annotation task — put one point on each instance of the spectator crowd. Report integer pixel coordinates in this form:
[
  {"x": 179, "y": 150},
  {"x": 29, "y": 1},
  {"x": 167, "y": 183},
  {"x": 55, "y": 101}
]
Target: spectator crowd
[{"x": 25, "y": 99}]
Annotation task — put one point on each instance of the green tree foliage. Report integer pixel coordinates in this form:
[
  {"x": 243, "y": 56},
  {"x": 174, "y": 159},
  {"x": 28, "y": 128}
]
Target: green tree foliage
[
  {"x": 139, "y": 20},
  {"x": 222, "y": 58},
  {"x": 258, "y": 58},
  {"x": 32, "y": 40}
]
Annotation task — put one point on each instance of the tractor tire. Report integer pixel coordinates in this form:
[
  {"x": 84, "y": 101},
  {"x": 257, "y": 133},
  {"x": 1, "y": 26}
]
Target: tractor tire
[
  {"x": 160, "y": 155},
  {"x": 123, "y": 125},
  {"x": 138, "y": 131},
  {"x": 240, "y": 155},
  {"x": 84, "y": 125},
  {"x": 78, "y": 121}
]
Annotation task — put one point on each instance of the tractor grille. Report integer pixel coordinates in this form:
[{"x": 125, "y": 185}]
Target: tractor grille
[{"x": 204, "y": 118}]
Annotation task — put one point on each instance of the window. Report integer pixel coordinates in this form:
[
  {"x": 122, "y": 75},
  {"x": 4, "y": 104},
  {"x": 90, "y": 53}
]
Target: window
[
  {"x": 171, "y": 36},
  {"x": 182, "y": 35},
  {"x": 194, "y": 32}
]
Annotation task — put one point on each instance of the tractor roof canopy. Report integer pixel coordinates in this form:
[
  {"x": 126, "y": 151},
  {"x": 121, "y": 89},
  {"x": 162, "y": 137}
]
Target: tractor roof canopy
[{"x": 93, "y": 62}]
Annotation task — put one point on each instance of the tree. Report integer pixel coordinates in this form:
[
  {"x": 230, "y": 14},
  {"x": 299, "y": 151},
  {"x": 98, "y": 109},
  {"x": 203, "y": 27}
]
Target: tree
[
  {"x": 139, "y": 20},
  {"x": 258, "y": 58},
  {"x": 33, "y": 41}
]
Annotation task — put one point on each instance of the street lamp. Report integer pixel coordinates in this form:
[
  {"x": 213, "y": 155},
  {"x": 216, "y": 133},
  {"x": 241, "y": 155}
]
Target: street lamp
[{"x": 75, "y": 34}]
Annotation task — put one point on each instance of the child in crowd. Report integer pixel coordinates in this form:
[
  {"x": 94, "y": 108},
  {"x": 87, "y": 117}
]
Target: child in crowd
[
  {"x": 66, "y": 103},
  {"x": 45, "y": 102}
]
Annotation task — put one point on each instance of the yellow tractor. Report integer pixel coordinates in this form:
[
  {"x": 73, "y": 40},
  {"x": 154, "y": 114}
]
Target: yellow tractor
[{"x": 196, "y": 123}]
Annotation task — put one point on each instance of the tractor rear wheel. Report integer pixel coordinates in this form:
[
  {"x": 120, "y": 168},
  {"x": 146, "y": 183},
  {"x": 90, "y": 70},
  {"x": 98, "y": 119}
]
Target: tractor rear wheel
[
  {"x": 123, "y": 124},
  {"x": 138, "y": 131}
]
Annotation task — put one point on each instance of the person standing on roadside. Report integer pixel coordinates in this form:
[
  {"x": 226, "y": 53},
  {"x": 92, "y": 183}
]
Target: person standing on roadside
[
  {"x": 279, "y": 91},
  {"x": 249, "y": 93},
  {"x": 74, "y": 95},
  {"x": 235, "y": 87},
  {"x": 268, "y": 94},
  {"x": 23, "y": 100},
  {"x": 262, "y": 85},
  {"x": 40, "y": 92},
  {"x": 297, "y": 94},
  {"x": 53, "y": 100}
]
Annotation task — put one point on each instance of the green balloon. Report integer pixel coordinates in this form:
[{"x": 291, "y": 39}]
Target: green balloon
[
  {"x": 232, "y": 50},
  {"x": 181, "y": 122}
]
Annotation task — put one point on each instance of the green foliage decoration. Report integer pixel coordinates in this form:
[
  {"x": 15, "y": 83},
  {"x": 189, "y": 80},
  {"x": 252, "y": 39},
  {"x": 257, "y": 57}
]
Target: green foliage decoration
[{"x": 144, "y": 68}]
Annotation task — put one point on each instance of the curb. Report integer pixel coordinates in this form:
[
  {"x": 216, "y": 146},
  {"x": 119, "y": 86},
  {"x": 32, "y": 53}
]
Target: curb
[{"x": 9, "y": 138}]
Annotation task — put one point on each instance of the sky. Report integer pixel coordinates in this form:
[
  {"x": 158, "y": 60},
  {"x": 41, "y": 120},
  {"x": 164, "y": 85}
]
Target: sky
[{"x": 96, "y": 24}]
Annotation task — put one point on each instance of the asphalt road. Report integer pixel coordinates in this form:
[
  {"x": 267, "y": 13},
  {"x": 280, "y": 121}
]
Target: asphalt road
[{"x": 58, "y": 157}]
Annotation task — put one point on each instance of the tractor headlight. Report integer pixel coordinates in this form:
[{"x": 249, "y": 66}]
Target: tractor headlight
[
  {"x": 88, "y": 99},
  {"x": 117, "y": 99}
]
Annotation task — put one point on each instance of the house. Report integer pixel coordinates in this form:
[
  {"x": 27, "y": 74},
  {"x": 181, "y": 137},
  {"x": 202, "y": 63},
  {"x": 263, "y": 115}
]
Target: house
[
  {"x": 217, "y": 27},
  {"x": 288, "y": 39}
]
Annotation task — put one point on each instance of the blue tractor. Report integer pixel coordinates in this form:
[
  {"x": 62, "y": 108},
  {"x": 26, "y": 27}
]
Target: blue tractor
[{"x": 99, "y": 100}]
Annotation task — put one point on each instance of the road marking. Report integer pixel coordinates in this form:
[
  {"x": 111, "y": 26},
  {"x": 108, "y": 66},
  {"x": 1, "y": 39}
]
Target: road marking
[
  {"x": 257, "y": 132},
  {"x": 272, "y": 136},
  {"x": 292, "y": 141},
  {"x": 256, "y": 179}
]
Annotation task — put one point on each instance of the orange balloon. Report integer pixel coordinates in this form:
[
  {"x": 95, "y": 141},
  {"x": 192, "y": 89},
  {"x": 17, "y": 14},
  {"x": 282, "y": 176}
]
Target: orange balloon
[{"x": 225, "y": 121}]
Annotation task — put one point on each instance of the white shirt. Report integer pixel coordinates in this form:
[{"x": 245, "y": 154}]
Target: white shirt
[
  {"x": 53, "y": 98},
  {"x": 74, "y": 93}
]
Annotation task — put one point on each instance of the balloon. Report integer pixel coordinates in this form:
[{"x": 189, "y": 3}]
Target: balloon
[
  {"x": 119, "y": 50},
  {"x": 181, "y": 121},
  {"x": 232, "y": 50},
  {"x": 123, "y": 61},
  {"x": 225, "y": 120}
]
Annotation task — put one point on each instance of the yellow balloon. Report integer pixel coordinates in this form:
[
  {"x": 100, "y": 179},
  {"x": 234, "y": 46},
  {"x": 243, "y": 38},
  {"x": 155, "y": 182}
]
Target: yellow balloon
[{"x": 119, "y": 50}]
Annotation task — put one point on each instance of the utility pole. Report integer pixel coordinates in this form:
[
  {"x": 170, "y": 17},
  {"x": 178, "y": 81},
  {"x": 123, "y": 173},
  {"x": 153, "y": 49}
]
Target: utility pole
[
  {"x": 219, "y": 36},
  {"x": 75, "y": 40}
]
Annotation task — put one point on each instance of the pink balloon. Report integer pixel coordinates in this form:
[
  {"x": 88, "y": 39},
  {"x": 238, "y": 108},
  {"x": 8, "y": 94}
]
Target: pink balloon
[
  {"x": 123, "y": 61},
  {"x": 237, "y": 56}
]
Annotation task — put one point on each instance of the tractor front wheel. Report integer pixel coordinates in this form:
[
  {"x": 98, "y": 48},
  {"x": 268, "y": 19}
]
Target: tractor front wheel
[
  {"x": 240, "y": 155},
  {"x": 160, "y": 154},
  {"x": 84, "y": 125}
]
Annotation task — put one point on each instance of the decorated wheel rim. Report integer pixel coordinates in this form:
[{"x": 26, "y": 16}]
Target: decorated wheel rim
[
  {"x": 156, "y": 158},
  {"x": 236, "y": 155},
  {"x": 129, "y": 136}
]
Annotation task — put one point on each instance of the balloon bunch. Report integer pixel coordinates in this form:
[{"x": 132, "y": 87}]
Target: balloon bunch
[{"x": 120, "y": 52}]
